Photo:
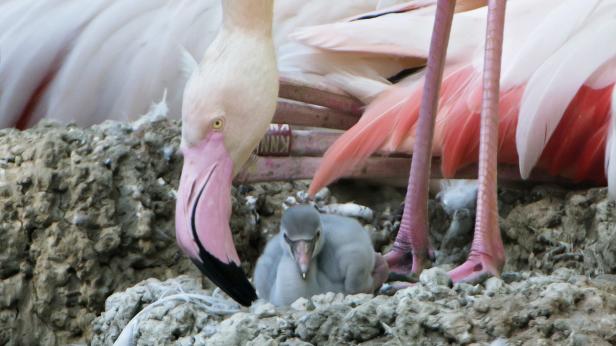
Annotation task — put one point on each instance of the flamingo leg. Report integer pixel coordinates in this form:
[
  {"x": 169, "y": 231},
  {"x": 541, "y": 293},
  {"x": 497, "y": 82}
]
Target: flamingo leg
[
  {"x": 412, "y": 248},
  {"x": 487, "y": 254}
]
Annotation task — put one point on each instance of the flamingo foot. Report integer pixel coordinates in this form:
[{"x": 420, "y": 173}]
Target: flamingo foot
[
  {"x": 477, "y": 268},
  {"x": 405, "y": 264},
  {"x": 399, "y": 261}
]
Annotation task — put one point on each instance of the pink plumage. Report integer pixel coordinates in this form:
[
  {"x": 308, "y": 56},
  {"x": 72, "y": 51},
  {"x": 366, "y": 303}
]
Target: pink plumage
[
  {"x": 390, "y": 115},
  {"x": 552, "y": 115}
]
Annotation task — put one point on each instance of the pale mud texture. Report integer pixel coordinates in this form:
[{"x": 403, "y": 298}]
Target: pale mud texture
[
  {"x": 565, "y": 294},
  {"x": 86, "y": 213},
  {"x": 564, "y": 308},
  {"x": 543, "y": 228}
]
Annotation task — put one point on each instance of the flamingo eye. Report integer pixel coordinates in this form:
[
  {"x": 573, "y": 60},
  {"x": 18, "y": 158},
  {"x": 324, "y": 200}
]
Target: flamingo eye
[{"x": 218, "y": 124}]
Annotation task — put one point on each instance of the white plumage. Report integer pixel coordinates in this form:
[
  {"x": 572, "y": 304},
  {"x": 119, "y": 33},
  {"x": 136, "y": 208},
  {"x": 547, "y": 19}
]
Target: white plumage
[{"x": 86, "y": 62}]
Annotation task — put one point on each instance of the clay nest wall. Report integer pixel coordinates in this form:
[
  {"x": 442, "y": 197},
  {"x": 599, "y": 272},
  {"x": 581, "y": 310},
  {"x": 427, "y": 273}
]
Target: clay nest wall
[
  {"x": 85, "y": 212},
  {"x": 89, "y": 212}
]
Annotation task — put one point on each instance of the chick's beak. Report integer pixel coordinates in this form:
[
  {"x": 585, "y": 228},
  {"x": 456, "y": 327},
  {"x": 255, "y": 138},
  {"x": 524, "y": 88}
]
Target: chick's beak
[{"x": 302, "y": 250}]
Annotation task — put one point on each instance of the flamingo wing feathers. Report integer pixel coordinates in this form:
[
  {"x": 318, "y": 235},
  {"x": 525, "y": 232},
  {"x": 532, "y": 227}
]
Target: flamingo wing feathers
[{"x": 556, "y": 98}]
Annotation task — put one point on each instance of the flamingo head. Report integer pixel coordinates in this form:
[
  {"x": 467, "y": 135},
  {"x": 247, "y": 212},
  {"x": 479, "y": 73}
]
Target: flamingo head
[{"x": 228, "y": 104}]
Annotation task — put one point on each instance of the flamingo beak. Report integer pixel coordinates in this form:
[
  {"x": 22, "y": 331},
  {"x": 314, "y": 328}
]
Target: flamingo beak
[{"x": 203, "y": 209}]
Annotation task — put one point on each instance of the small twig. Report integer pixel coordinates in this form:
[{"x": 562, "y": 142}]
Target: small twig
[{"x": 568, "y": 256}]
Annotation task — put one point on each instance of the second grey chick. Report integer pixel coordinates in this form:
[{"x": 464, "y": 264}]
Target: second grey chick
[{"x": 316, "y": 253}]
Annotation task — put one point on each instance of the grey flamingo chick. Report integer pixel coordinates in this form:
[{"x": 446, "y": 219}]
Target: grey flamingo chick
[{"x": 317, "y": 253}]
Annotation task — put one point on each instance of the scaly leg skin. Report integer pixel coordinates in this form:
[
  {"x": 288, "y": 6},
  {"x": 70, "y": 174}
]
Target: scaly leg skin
[
  {"x": 487, "y": 254},
  {"x": 412, "y": 249}
]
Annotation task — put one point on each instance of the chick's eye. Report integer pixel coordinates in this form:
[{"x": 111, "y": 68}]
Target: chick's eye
[{"x": 218, "y": 124}]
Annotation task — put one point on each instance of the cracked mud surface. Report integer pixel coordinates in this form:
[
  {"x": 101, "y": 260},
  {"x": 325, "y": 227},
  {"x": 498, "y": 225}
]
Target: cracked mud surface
[{"x": 89, "y": 212}]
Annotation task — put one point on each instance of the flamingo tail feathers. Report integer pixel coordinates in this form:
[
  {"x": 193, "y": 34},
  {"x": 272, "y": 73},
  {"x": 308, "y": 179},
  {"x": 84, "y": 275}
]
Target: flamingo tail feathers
[{"x": 554, "y": 85}]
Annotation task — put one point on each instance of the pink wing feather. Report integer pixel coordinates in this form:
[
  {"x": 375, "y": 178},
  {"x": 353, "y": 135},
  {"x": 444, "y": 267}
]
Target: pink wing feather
[{"x": 543, "y": 90}]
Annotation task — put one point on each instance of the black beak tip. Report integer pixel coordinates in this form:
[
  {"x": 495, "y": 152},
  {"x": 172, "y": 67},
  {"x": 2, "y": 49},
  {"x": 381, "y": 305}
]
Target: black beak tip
[{"x": 229, "y": 277}]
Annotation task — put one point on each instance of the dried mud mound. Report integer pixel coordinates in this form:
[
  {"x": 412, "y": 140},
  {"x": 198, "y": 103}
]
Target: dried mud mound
[
  {"x": 556, "y": 289},
  {"x": 86, "y": 212},
  {"x": 555, "y": 228},
  {"x": 543, "y": 228},
  {"x": 89, "y": 212},
  {"x": 562, "y": 309}
]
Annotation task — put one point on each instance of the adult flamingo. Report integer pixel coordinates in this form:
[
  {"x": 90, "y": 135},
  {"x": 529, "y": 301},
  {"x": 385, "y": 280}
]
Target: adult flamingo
[{"x": 555, "y": 106}]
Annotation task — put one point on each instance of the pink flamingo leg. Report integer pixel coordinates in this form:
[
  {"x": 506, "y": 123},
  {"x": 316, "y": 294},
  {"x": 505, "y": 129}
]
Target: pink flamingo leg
[
  {"x": 487, "y": 254},
  {"x": 412, "y": 240}
]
